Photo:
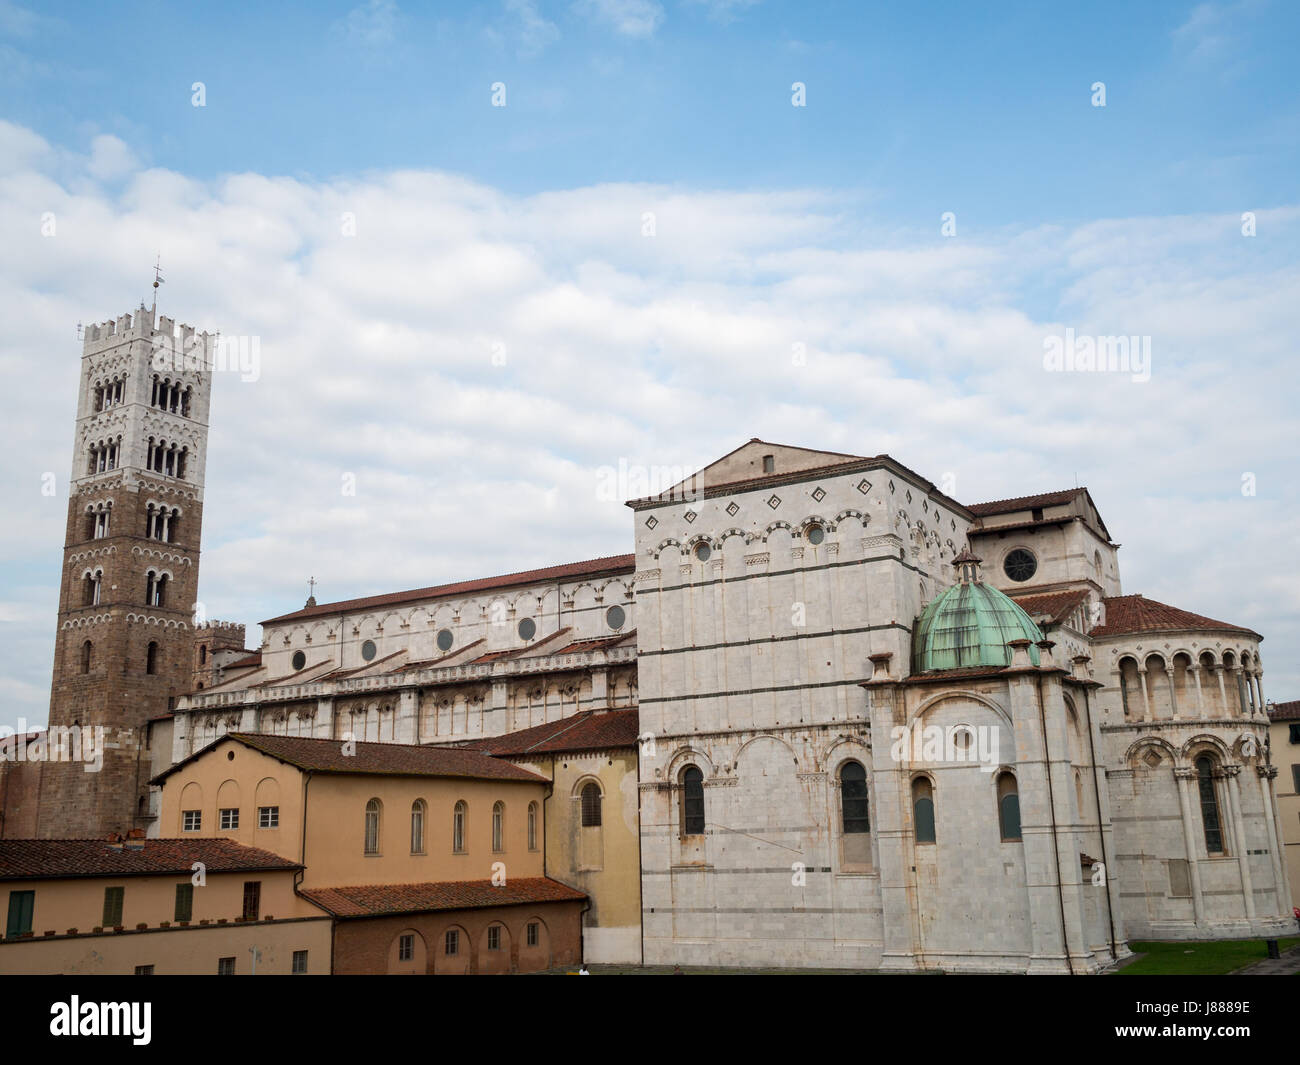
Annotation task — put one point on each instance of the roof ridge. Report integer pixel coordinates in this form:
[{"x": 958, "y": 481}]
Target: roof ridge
[{"x": 434, "y": 591}]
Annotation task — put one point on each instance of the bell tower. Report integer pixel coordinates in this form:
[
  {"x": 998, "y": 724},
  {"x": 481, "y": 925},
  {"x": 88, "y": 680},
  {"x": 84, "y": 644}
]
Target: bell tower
[{"x": 130, "y": 562}]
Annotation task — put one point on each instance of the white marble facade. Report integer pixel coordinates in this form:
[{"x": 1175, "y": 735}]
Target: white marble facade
[{"x": 764, "y": 628}]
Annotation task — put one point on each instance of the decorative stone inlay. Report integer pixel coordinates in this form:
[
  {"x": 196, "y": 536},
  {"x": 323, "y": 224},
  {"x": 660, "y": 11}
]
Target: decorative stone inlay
[
  {"x": 864, "y": 486},
  {"x": 690, "y": 516},
  {"x": 651, "y": 522},
  {"x": 733, "y": 508},
  {"x": 774, "y": 502},
  {"x": 818, "y": 494}
]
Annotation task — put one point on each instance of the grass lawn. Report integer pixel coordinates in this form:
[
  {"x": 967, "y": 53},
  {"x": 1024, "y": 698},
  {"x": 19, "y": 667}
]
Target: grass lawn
[{"x": 1199, "y": 959}]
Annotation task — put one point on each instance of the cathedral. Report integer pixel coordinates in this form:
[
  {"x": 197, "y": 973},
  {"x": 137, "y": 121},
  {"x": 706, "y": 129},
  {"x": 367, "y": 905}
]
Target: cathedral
[{"x": 873, "y": 727}]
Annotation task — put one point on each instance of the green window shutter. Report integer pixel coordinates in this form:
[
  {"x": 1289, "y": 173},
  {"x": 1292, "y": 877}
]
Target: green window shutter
[
  {"x": 1009, "y": 808},
  {"x": 113, "y": 906},
  {"x": 923, "y": 813},
  {"x": 21, "y": 905},
  {"x": 184, "y": 902}
]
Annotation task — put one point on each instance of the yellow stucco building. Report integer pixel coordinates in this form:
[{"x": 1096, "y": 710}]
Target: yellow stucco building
[
  {"x": 592, "y": 819},
  {"x": 427, "y": 859},
  {"x": 1284, "y": 745},
  {"x": 155, "y": 907}
]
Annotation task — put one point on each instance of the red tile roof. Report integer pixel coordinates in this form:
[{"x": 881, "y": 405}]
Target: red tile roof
[
  {"x": 1135, "y": 613},
  {"x": 254, "y": 659},
  {"x": 1010, "y": 506},
  {"x": 591, "y": 730},
  {"x": 609, "y": 564},
  {"x": 371, "y": 759},
  {"x": 429, "y": 663},
  {"x": 29, "y": 859},
  {"x": 1286, "y": 711},
  {"x": 377, "y": 900},
  {"x": 1055, "y": 606},
  {"x": 600, "y": 643}
]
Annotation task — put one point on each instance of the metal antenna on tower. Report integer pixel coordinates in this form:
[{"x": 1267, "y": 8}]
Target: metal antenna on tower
[{"x": 157, "y": 280}]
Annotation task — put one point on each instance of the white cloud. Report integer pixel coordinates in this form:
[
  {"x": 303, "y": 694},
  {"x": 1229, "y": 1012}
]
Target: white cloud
[
  {"x": 631, "y": 18},
  {"x": 378, "y": 360},
  {"x": 531, "y": 32},
  {"x": 373, "y": 24}
]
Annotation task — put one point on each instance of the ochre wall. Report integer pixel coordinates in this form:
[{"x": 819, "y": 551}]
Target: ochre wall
[
  {"x": 336, "y": 819},
  {"x": 604, "y": 862},
  {"x": 175, "y": 951},
  {"x": 369, "y": 946},
  {"x": 78, "y": 902}
]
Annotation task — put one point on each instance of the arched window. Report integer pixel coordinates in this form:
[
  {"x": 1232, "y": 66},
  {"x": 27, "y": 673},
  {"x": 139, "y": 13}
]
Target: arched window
[
  {"x": 151, "y": 658},
  {"x": 591, "y": 805},
  {"x": 923, "y": 809},
  {"x": 1008, "y": 807},
  {"x": 692, "y": 801},
  {"x": 499, "y": 826},
  {"x": 458, "y": 827},
  {"x": 854, "y": 812},
  {"x": 532, "y": 826},
  {"x": 1209, "y": 805},
  {"x": 373, "y": 811},
  {"x": 87, "y": 655},
  {"x": 417, "y": 826}
]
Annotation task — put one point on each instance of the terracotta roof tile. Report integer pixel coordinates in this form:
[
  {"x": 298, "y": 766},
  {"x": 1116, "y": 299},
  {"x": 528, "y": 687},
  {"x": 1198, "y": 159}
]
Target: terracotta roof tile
[
  {"x": 591, "y": 730},
  {"x": 1010, "y": 506},
  {"x": 1286, "y": 711},
  {"x": 1055, "y": 606},
  {"x": 1135, "y": 613},
  {"x": 254, "y": 659},
  {"x": 600, "y": 643},
  {"x": 46, "y": 858},
  {"x": 376, "y": 900},
  {"x": 608, "y": 564},
  {"x": 375, "y": 759}
]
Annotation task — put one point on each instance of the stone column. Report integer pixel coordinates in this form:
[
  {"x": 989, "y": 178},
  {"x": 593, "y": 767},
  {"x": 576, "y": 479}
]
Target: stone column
[
  {"x": 1183, "y": 777},
  {"x": 892, "y": 827},
  {"x": 323, "y": 726},
  {"x": 406, "y": 729},
  {"x": 1230, "y": 774},
  {"x": 1223, "y": 690},
  {"x": 1142, "y": 683},
  {"x": 1173, "y": 692},
  {"x": 1200, "y": 695}
]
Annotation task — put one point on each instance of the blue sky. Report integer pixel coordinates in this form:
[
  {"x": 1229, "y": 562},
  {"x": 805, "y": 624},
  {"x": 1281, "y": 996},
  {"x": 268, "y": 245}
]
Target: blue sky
[
  {"x": 520, "y": 230},
  {"x": 982, "y": 109}
]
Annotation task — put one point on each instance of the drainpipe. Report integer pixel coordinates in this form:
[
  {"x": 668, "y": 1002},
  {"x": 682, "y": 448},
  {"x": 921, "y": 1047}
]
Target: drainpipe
[
  {"x": 302, "y": 860},
  {"x": 1051, "y": 803},
  {"x": 1101, "y": 831}
]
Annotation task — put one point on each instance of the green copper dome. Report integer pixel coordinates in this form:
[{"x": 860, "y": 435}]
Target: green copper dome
[{"x": 969, "y": 625}]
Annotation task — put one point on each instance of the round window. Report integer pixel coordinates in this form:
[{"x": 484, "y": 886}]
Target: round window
[
  {"x": 527, "y": 629},
  {"x": 299, "y": 659},
  {"x": 815, "y": 533},
  {"x": 368, "y": 650},
  {"x": 615, "y": 617},
  {"x": 703, "y": 551},
  {"x": 1020, "y": 565},
  {"x": 445, "y": 640}
]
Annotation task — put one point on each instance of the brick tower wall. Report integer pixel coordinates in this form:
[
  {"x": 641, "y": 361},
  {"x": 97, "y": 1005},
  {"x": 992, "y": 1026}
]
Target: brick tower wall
[{"x": 119, "y": 691}]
